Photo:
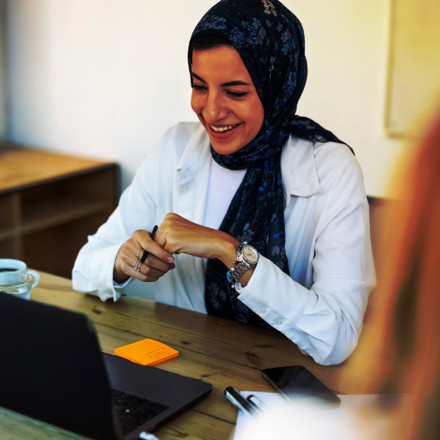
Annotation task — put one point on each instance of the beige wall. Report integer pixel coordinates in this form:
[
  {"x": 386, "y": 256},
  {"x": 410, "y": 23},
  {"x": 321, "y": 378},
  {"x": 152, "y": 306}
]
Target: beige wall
[
  {"x": 414, "y": 74},
  {"x": 106, "y": 77}
]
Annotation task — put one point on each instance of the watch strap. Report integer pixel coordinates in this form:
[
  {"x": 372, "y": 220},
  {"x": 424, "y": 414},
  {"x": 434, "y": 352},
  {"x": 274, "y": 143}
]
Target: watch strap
[{"x": 239, "y": 267}]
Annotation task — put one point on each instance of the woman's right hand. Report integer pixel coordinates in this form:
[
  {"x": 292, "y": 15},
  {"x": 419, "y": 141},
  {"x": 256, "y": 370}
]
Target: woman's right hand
[{"x": 128, "y": 264}]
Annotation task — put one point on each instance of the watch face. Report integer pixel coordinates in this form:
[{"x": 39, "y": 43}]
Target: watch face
[{"x": 250, "y": 254}]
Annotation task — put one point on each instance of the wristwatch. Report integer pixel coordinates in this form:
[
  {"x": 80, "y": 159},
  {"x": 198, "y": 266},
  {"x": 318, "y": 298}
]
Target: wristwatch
[{"x": 246, "y": 258}]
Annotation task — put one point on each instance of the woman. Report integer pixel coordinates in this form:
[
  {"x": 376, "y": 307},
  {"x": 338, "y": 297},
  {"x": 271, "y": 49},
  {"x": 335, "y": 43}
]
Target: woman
[{"x": 253, "y": 172}]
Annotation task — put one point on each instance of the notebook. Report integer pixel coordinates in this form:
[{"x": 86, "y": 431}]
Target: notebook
[{"x": 52, "y": 369}]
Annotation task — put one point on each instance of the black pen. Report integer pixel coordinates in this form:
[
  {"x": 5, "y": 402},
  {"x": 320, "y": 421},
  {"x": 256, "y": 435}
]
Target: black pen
[
  {"x": 153, "y": 232},
  {"x": 152, "y": 235},
  {"x": 255, "y": 402},
  {"x": 238, "y": 400}
]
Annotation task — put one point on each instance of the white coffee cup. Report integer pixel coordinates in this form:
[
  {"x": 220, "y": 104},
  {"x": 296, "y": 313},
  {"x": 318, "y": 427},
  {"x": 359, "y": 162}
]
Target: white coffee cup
[{"x": 12, "y": 265}]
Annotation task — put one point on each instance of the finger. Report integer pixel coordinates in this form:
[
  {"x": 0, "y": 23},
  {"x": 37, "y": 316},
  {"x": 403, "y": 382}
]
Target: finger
[
  {"x": 141, "y": 254},
  {"x": 145, "y": 253},
  {"x": 138, "y": 241},
  {"x": 152, "y": 274},
  {"x": 137, "y": 272},
  {"x": 152, "y": 268},
  {"x": 153, "y": 265},
  {"x": 141, "y": 247},
  {"x": 157, "y": 251}
]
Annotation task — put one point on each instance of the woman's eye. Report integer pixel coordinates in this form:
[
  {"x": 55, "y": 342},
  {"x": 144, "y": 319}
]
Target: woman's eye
[
  {"x": 233, "y": 94},
  {"x": 199, "y": 87}
]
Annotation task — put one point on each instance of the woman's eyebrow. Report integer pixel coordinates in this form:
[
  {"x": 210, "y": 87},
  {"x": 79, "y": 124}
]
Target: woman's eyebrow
[
  {"x": 235, "y": 83},
  {"x": 198, "y": 77}
]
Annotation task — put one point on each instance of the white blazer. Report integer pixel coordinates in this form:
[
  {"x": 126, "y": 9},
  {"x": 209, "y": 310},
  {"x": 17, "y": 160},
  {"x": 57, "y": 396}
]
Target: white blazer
[{"x": 320, "y": 306}]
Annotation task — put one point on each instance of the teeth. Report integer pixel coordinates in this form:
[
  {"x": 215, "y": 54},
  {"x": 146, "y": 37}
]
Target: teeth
[{"x": 222, "y": 129}]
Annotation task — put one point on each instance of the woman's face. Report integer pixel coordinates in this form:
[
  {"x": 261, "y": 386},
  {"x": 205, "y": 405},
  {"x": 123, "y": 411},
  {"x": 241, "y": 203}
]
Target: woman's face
[{"x": 225, "y": 99}]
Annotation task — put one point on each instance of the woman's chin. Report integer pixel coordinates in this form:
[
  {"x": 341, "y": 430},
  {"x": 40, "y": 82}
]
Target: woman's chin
[
  {"x": 225, "y": 146},
  {"x": 224, "y": 150}
]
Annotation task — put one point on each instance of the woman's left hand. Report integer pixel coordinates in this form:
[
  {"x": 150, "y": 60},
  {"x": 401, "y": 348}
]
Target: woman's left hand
[{"x": 178, "y": 235}]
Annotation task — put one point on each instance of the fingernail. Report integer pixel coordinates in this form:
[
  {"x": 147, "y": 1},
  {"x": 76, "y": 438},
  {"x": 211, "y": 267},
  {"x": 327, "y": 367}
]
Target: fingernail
[{"x": 170, "y": 260}]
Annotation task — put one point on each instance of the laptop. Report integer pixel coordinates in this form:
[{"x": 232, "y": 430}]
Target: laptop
[{"x": 52, "y": 369}]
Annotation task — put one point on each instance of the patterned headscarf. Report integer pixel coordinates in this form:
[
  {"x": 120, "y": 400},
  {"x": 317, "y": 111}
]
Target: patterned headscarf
[{"x": 270, "y": 42}]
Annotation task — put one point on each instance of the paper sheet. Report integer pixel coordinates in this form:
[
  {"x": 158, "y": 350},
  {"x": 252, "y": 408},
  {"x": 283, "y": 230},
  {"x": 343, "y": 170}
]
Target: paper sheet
[{"x": 309, "y": 420}]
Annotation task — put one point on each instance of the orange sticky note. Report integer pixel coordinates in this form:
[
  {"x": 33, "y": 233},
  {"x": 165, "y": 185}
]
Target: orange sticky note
[{"x": 146, "y": 352}]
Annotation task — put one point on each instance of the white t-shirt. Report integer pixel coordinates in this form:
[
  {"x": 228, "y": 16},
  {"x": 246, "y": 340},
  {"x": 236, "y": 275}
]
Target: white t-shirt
[{"x": 222, "y": 186}]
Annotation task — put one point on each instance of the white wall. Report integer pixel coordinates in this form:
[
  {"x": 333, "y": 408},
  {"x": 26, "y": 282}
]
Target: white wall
[
  {"x": 105, "y": 78},
  {"x": 346, "y": 46}
]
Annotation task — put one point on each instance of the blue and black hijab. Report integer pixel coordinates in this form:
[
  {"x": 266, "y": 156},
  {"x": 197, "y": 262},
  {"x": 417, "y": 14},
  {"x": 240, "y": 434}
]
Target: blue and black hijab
[{"x": 270, "y": 41}]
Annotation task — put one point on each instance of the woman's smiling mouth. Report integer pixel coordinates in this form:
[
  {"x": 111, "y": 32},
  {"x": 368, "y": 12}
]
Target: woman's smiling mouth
[{"x": 223, "y": 129}]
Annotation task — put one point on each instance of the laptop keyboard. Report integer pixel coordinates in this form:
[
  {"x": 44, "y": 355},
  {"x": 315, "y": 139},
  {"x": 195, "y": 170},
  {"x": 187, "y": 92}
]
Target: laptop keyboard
[{"x": 133, "y": 411}]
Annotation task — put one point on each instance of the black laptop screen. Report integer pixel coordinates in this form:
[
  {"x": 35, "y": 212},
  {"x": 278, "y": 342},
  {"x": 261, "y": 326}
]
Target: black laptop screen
[{"x": 49, "y": 363}]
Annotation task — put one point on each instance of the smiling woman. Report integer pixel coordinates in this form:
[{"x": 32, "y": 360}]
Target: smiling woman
[
  {"x": 224, "y": 99},
  {"x": 262, "y": 213}
]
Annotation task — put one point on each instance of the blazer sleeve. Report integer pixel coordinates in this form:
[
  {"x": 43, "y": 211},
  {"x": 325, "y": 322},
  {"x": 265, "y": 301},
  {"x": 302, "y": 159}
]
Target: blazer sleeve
[{"x": 325, "y": 318}]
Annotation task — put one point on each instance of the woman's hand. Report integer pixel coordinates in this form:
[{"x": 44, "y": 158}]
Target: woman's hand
[
  {"x": 178, "y": 235},
  {"x": 128, "y": 264}
]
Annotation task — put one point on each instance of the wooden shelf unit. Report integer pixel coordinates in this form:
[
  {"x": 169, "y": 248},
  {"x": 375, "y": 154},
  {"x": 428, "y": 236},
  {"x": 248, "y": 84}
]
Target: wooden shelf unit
[{"x": 50, "y": 203}]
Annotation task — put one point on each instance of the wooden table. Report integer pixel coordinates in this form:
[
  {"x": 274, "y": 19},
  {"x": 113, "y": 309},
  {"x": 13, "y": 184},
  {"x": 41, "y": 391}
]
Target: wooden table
[
  {"x": 215, "y": 350},
  {"x": 46, "y": 197}
]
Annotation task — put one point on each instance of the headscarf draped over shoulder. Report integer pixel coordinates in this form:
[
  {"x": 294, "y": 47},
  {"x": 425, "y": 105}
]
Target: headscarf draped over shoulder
[{"x": 270, "y": 41}]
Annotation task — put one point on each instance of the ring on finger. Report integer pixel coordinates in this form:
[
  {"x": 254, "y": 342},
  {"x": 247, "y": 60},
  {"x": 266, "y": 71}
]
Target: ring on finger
[
  {"x": 138, "y": 252},
  {"x": 137, "y": 266}
]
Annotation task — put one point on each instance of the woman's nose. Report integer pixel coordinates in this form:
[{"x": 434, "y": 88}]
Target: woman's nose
[{"x": 214, "y": 108}]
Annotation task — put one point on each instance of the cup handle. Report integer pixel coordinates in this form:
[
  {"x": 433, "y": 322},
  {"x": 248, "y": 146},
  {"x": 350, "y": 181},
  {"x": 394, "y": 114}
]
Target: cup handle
[{"x": 36, "y": 276}]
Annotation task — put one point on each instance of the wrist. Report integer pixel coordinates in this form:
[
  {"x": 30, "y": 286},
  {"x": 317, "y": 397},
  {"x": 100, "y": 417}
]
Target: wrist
[
  {"x": 246, "y": 259},
  {"x": 226, "y": 249},
  {"x": 118, "y": 276}
]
